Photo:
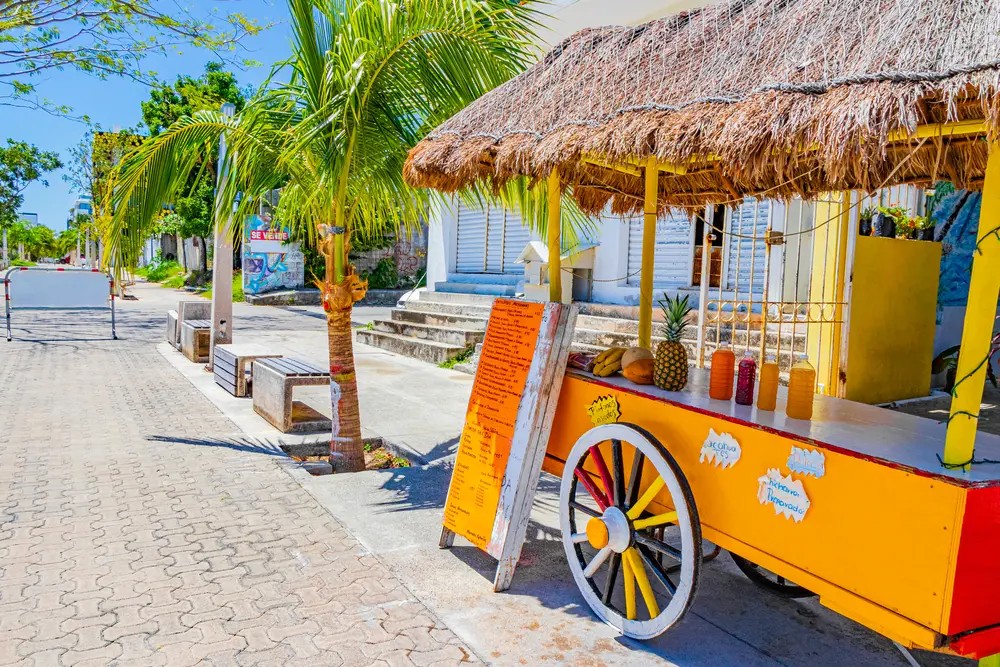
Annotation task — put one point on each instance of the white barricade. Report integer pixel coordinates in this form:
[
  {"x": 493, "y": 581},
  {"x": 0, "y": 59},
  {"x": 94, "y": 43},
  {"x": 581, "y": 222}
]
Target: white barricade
[{"x": 57, "y": 288}]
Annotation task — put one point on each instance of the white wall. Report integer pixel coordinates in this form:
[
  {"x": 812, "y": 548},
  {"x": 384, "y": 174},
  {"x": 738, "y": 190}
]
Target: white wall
[{"x": 442, "y": 234}]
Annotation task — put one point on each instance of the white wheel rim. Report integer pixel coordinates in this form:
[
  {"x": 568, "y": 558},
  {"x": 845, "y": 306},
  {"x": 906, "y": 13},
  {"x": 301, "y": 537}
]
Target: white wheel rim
[{"x": 679, "y": 602}]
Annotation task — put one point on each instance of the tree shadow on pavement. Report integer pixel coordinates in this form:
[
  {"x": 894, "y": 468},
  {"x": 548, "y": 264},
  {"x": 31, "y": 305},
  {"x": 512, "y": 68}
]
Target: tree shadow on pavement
[{"x": 248, "y": 445}]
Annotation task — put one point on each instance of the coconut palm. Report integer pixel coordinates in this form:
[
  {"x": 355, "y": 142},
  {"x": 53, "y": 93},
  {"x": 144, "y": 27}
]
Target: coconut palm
[{"x": 368, "y": 79}]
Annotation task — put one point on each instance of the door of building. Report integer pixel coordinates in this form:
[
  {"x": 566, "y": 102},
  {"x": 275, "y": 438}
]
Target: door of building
[{"x": 489, "y": 240}]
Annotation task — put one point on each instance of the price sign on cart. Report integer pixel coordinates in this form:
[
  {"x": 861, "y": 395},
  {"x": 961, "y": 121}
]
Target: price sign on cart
[{"x": 500, "y": 454}]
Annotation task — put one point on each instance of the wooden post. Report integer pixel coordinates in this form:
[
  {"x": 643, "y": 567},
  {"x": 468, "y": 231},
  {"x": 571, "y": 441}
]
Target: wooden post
[
  {"x": 706, "y": 278},
  {"x": 648, "y": 248},
  {"x": 555, "y": 249},
  {"x": 980, "y": 315}
]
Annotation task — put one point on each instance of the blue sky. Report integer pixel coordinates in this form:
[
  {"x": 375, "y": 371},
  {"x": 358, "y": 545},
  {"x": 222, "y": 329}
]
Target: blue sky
[{"x": 115, "y": 103}]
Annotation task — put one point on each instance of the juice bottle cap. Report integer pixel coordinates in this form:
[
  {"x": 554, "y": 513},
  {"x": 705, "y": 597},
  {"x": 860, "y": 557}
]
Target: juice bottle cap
[
  {"x": 770, "y": 357},
  {"x": 801, "y": 356},
  {"x": 748, "y": 355},
  {"x": 723, "y": 346}
]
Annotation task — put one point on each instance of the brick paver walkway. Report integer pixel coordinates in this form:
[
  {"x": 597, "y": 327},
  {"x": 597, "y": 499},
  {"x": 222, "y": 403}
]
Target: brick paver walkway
[{"x": 137, "y": 527}]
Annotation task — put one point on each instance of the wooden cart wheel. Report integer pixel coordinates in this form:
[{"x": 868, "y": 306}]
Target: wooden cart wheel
[
  {"x": 636, "y": 579},
  {"x": 769, "y": 581}
]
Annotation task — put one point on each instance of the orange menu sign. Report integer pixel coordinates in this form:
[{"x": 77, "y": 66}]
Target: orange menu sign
[{"x": 485, "y": 447}]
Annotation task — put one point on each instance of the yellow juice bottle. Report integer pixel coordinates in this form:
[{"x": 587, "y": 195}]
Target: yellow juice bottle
[
  {"x": 767, "y": 393},
  {"x": 801, "y": 389}
]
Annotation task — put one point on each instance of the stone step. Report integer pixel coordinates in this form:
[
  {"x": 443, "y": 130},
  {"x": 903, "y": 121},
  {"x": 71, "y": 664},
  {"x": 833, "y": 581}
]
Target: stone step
[
  {"x": 458, "y": 297},
  {"x": 470, "y": 322},
  {"x": 446, "y": 335},
  {"x": 443, "y": 308},
  {"x": 424, "y": 350},
  {"x": 511, "y": 279},
  {"x": 475, "y": 289}
]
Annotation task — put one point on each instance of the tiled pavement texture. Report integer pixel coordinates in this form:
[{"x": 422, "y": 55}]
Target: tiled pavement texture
[{"x": 137, "y": 528}]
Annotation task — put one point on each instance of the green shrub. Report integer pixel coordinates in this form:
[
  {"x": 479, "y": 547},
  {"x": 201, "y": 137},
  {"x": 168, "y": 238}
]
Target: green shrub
[
  {"x": 383, "y": 276},
  {"x": 160, "y": 272}
]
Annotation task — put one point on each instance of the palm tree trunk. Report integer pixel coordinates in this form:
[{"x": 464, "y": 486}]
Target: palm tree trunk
[{"x": 346, "y": 446}]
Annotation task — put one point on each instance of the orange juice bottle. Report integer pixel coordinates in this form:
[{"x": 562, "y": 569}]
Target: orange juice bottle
[
  {"x": 767, "y": 394},
  {"x": 801, "y": 389},
  {"x": 720, "y": 384}
]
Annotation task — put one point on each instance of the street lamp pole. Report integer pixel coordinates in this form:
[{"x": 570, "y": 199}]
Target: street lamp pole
[{"x": 222, "y": 258}]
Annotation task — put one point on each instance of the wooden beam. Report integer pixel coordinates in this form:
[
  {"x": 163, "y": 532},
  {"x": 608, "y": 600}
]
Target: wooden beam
[
  {"x": 977, "y": 332},
  {"x": 650, "y": 207},
  {"x": 555, "y": 249},
  {"x": 952, "y": 129}
]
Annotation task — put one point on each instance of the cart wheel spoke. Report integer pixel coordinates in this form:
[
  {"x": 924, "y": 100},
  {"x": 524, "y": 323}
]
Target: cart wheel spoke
[
  {"x": 597, "y": 562},
  {"x": 635, "y": 479},
  {"x": 618, "y": 564},
  {"x": 618, "y": 468},
  {"x": 639, "y": 572},
  {"x": 594, "y": 492},
  {"x": 661, "y": 574},
  {"x": 659, "y": 547},
  {"x": 602, "y": 470},
  {"x": 609, "y": 583},
  {"x": 583, "y": 508}
]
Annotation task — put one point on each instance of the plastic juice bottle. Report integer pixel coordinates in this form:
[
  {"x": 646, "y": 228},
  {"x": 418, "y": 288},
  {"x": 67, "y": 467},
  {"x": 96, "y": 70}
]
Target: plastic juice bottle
[
  {"x": 767, "y": 394},
  {"x": 746, "y": 378},
  {"x": 801, "y": 389},
  {"x": 720, "y": 384}
]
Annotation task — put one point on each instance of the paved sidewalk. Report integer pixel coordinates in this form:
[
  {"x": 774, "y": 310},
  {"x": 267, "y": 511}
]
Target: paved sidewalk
[{"x": 139, "y": 526}]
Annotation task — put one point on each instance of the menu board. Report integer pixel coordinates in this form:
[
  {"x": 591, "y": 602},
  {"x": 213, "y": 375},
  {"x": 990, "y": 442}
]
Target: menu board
[
  {"x": 485, "y": 446},
  {"x": 507, "y": 426}
]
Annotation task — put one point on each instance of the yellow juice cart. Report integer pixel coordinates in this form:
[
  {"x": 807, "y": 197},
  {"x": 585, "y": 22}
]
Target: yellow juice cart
[{"x": 891, "y": 520}]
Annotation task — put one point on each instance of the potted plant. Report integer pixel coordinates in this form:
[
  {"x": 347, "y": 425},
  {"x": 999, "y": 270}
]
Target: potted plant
[
  {"x": 884, "y": 222},
  {"x": 865, "y": 221},
  {"x": 906, "y": 227},
  {"x": 924, "y": 228}
]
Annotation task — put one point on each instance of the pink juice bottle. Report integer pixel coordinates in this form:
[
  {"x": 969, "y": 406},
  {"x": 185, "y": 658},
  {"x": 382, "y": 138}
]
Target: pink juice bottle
[{"x": 746, "y": 376}]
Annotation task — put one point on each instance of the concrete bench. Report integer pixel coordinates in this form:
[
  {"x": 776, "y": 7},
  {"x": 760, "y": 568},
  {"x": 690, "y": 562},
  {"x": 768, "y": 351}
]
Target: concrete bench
[
  {"x": 173, "y": 336},
  {"x": 233, "y": 363},
  {"x": 196, "y": 338},
  {"x": 273, "y": 383},
  {"x": 189, "y": 310}
]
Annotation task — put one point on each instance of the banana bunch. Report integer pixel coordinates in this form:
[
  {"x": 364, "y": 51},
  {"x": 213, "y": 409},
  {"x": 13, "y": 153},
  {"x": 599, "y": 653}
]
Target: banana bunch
[{"x": 609, "y": 361}]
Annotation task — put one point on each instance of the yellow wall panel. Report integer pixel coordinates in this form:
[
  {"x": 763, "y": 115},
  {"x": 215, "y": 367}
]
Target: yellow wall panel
[{"x": 891, "y": 319}]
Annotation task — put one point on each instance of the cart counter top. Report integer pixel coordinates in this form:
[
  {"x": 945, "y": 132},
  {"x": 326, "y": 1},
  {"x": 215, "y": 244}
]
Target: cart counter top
[{"x": 857, "y": 429}]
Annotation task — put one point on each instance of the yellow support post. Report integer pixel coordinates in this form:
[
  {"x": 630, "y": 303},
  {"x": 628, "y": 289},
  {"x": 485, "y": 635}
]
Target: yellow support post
[
  {"x": 648, "y": 247},
  {"x": 555, "y": 221},
  {"x": 980, "y": 315}
]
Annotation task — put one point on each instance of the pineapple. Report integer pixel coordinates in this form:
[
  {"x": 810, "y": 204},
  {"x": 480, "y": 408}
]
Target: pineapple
[{"x": 670, "y": 367}]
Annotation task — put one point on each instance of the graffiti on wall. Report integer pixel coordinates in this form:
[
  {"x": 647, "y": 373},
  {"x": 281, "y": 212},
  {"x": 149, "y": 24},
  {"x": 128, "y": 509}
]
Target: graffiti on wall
[
  {"x": 269, "y": 262},
  {"x": 956, "y": 222}
]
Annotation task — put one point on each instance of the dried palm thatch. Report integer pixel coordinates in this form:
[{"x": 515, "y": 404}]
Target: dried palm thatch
[{"x": 767, "y": 98}]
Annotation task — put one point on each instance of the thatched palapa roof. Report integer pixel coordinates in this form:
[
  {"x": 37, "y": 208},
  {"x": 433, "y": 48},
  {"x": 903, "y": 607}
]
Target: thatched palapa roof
[{"x": 769, "y": 98}]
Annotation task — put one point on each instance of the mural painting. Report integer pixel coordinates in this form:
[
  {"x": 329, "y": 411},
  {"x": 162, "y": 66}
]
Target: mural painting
[
  {"x": 269, "y": 262},
  {"x": 956, "y": 222}
]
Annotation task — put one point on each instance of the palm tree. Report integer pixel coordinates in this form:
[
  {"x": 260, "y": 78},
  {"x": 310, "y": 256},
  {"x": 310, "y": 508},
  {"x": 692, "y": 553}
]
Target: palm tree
[{"x": 368, "y": 79}]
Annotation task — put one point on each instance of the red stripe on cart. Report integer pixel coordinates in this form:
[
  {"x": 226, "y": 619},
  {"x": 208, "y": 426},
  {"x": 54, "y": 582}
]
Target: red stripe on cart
[
  {"x": 977, "y": 577},
  {"x": 977, "y": 645}
]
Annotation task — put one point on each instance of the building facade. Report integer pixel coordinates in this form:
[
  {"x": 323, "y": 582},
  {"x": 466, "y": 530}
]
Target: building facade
[{"x": 82, "y": 205}]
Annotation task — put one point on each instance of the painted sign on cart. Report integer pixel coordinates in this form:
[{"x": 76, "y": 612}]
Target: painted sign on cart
[
  {"x": 605, "y": 410},
  {"x": 507, "y": 424},
  {"x": 720, "y": 449},
  {"x": 807, "y": 461},
  {"x": 785, "y": 494}
]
